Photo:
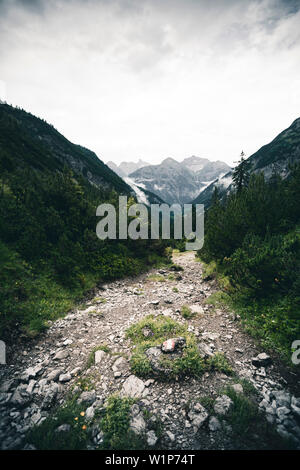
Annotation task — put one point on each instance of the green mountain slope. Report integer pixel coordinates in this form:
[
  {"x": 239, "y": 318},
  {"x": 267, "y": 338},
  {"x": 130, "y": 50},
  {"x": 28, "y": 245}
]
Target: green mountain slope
[
  {"x": 30, "y": 141},
  {"x": 284, "y": 149}
]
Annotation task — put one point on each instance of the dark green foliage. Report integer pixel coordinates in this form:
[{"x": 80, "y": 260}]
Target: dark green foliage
[
  {"x": 45, "y": 436},
  {"x": 28, "y": 141},
  {"x": 219, "y": 362},
  {"x": 249, "y": 426},
  {"x": 115, "y": 426},
  {"x": 49, "y": 252},
  {"x": 253, "y": 238},
  {"x": 241, "y": 174}
]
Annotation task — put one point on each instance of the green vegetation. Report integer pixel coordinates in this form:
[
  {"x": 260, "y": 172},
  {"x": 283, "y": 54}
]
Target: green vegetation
[
  {"x": 217, "y": 299},
  {"x": 46, "y": 437},
  {"x": 249, "y": 424},
  {"x": 244, "y": 413},
  {"x": 171, "y": 277},
  {"x": 241, "y": 173},
  {"x": 91, "y": 358},
  {"x": 219, "y": 362},
  {"x": 113, "y": 420},
  {"x": 101, "y": 347},
  {"x": 162, "y": 328},
  {"x": 252, "y": 247},
  {"x": 87, "y": 382},
  {"x": 186, "y": 312},
  {"x": 115, "y": 425}
]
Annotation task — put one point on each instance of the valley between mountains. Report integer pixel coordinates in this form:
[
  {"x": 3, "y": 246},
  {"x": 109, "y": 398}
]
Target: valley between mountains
[{"x": 87, "y": 382}]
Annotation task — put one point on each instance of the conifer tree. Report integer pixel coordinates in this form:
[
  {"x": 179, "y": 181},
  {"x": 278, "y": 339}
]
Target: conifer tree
[{"x": 241, "y": 173}]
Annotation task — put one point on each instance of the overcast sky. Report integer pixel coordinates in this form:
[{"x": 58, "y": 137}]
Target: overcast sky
[{"x": 153, "y": 79}]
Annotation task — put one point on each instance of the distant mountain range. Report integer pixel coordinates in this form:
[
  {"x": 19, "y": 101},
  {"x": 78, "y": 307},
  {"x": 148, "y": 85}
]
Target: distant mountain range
[
  {"x": 172, "y": 181},
  {"x": 38, "y": 145},
  {"x": 277, "y": 155},
  {"x": 194, "y": 179}
]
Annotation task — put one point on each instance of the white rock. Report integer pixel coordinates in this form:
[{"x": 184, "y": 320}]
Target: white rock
[
  {"x": 214, "y": 424},
  {"x": 31, "y": 372},
  {"x": 54, "y": 374},
  {"x": 61, "y": 355},
  {"x": 63, "y": 428},
  {"x": 198, "y": 415},
  {"x": 222, "y": 405},
  {"x": 87, "y": 397},
  {"x": 138, "y": 424},
  {"x": 90, "y": 413},
  {"x": 151, "y": 438},
  {"x": 133, "y": 387},
  {"x": 171, "y": 435},
  {"x": 238, "y": 388},
  {"x": 65, "y": 377},
  {"x": 196, "y": 309}
]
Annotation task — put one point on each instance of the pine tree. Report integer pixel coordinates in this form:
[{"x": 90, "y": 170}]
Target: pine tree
[{"x": 241, "y": 173}]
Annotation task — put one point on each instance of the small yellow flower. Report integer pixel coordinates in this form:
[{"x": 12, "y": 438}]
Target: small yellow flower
[
  {"x": 82, "y": 413},
  {"x": 84, "y": 427},
  {"x": 76, "y": 419},
  {"x": 86, "y": 388}
]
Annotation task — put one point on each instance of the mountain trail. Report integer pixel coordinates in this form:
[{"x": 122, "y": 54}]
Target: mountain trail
[{"x": 192, "y": 411}]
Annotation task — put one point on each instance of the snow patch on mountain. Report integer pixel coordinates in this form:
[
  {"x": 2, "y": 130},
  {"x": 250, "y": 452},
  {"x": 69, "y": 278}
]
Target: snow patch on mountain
[{"x": 141, "y": 196}]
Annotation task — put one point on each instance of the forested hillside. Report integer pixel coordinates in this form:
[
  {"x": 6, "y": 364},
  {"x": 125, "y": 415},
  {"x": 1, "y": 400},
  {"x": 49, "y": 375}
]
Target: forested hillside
[
  {"x": 49, "y": 252},
  {"x": 252, "y": 243}
]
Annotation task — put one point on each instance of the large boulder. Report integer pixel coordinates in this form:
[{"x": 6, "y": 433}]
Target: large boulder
[
  {"x": 173, "y": 344},
  {"x": 133, "y": 387},
  {"x": 261, "y": 360}
]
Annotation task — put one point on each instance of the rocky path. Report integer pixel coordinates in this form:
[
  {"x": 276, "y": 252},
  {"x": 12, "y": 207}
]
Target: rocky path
[{"x": 40, "y": 373}]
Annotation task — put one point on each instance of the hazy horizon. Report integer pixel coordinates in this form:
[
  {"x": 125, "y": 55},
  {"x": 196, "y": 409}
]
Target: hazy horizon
[{"x": 148, "y": 79}]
